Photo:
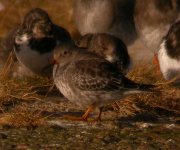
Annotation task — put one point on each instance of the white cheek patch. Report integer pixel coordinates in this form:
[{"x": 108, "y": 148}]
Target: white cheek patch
[
  {"x": 169, "y": 67},
  {"x": 22, "y": 39},
  {"x": 110, "y": 58},
  {"x": 114, "y": 59}
]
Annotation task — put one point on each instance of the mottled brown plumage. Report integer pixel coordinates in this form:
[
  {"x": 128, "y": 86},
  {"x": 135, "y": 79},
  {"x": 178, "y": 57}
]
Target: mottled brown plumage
[
  {"x": 89, "y": 80},
  {"x": 109, "y": 47}
]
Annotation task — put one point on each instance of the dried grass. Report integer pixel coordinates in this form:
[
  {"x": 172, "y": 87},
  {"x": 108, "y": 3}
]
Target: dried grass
[
  {"x": 22, "y": 89},
  {"x": 165, "y": 96},
  {"x": 26, "y": 89}
]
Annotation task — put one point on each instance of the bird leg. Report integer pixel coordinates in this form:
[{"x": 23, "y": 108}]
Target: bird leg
[
  {"x": 84, "y": 117},
  {"x": 156, "y": 62},
  {"x": 98, "y": 118}
]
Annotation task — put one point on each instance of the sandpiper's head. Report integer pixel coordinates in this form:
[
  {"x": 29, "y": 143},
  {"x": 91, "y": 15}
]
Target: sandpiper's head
[
  {"x": 37, "y": 22},
  {"x": 172, "y": 41},
  {"x": 63, "y": 52}
]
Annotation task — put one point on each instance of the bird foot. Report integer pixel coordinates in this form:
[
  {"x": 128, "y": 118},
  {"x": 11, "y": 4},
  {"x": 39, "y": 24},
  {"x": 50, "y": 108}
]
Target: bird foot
[{"x": 85, "y": 116}]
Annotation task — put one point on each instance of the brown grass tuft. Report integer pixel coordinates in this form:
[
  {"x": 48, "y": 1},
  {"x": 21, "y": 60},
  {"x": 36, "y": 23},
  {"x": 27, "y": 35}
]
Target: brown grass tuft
[
  {"x": 165, "y": 96},
  {"x": 26, "y": 89}
]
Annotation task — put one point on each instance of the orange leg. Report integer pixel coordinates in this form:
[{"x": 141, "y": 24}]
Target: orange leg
[
  {"x": 156, "y": 62},
  {"x": 84, "y": 117},
  {"x": 98, "y": 118}
]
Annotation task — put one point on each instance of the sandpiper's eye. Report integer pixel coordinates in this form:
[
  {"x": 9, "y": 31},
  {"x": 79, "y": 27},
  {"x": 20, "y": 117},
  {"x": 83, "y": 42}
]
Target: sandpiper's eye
[{"x": 65, "y": 52}]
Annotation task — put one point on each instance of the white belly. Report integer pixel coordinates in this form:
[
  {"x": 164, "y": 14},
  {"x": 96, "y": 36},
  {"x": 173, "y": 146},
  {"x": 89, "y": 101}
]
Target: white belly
[
  {"x": 170, "y": 67},
  {"x": 32, "y": 59}
]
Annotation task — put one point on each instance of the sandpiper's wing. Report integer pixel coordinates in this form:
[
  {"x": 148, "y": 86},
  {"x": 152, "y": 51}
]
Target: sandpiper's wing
[
  {"x": 95, "y": 74},
  {"x": 98, "y": 74}
]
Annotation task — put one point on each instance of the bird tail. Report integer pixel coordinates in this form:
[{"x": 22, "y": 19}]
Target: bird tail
[{"x": 134, "y": 88}]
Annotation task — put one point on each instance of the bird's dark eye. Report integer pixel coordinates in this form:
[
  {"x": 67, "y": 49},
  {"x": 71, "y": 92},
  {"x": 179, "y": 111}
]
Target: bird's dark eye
[{"x": 65, "y": 52}]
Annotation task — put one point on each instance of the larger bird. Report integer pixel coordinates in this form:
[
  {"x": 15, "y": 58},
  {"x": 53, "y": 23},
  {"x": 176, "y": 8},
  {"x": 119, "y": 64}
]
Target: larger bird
[
  {"x": 153, "y": 18},
  {"x": 114, "y": 17},
  {"x": 35, "y": 40},
  {"x": 90, "y": 81}
]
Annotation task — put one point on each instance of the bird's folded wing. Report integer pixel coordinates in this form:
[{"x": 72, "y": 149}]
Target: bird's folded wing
[{"x": 95, "y": 75}]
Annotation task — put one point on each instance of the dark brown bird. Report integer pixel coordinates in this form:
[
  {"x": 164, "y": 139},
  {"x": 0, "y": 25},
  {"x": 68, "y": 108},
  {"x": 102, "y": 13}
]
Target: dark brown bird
[
  {"x": 90, "y": 81},
  {"x": 35, "y": 40},
  {"x": 109, "y": 47}
]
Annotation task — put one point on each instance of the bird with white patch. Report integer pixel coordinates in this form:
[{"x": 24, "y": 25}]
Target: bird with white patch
[
  {"x": 169, "y": 53},
  {"x": 36, "y": 39}
]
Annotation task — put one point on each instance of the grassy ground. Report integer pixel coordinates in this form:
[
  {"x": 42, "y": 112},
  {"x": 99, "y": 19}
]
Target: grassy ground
[{"x": 32, "y": 118}]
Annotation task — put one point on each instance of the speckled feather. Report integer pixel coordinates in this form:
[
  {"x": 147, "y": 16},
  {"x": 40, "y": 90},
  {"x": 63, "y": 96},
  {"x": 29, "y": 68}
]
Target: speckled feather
[
  {"x": 109, "y": 47},
  {"x": 85, "y": 78}
]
